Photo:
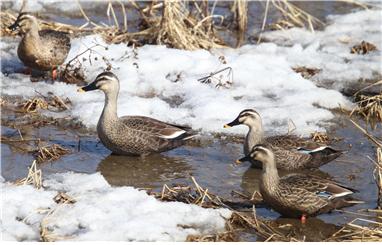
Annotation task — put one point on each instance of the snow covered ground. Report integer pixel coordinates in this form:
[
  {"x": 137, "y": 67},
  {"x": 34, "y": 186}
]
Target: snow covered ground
[
  {"x": 262, "y": 78},
  {"x": 329, "y": 50},
  {"x": 101, "y": 212}
]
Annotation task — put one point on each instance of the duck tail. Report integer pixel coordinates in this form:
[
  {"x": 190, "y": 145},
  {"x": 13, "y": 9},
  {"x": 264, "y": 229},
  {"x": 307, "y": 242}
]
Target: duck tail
[{"x": 323, "y": 155}]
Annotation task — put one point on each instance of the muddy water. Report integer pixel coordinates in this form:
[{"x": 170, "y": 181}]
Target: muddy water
[{"x": 209, "y": 159}]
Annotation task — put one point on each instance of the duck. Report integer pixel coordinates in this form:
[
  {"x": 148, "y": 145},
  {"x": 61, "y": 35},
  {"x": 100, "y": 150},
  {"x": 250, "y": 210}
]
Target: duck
[
  {"x": 42, "y": 50},
  {"x": 291, "y": 152},
  {"x": 133, "y": 135},
  {"x": 297, "y": 195}
]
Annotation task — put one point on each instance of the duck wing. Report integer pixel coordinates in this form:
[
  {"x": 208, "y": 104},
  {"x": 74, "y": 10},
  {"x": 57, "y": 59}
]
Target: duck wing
[
  {"x": 320, "y": 186},
  {"x": 313, "y": 195},
  {"x": 58, "y": 42},
  {"x": 290, "y": 159},
  {"x": 158, "y": 128},
  {"x": 292, "y": 142}
]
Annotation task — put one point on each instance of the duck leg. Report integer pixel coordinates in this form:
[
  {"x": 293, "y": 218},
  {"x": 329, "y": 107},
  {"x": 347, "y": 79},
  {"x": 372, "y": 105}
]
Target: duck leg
[
  {"x": 54, "y": 73},
  {"x": 303, "y": 219},
  {"x": 27, "y": 71}
]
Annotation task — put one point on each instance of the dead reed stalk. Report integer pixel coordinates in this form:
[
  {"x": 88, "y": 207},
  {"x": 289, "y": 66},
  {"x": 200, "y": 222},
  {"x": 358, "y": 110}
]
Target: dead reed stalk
[
  {"x": 34, "y": 177},
  {"x": 294, "y": 16},
  {"x": 370, "y": 108},
  {"x": 358, "y": 230},
  {"x": 50, "y": 153},
  {"x": 378, "y": 176},
  {"x": 240, "y": 9}
]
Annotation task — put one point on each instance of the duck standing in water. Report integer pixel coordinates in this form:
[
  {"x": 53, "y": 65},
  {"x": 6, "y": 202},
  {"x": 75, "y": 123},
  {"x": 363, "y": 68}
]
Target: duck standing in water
[
  {"x": 132, "y": 135},
  {"x": 43, "y": 50},
  {"x": 297, "y": 195},
  {"x": 291, "y": 152}
]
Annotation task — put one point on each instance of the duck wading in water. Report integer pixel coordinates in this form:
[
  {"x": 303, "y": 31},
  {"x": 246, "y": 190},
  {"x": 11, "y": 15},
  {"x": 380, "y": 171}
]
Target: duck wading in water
[
  {"x": 133, "y": 135},
  {"x": 291, "y": 152},
  {"x": 297, "y": 195}
]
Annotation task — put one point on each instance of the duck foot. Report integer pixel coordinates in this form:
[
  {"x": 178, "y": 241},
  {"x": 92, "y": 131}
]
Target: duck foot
[
  {"x": 54, "y": 73},
  {"x": 303, "y": 219},
  {"x": 27, "y": 71}
]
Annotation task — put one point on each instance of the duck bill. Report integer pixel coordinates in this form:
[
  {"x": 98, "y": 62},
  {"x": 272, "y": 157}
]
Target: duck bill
[
  {"x": 14, "y": 27},
  {"x": 241, "y": 160},
  {"x": 232, "y": 124},
  {"x": 87, "y": 88}
]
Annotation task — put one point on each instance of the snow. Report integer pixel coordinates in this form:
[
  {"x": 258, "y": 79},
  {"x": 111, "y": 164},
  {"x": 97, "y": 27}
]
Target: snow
[
  {"x": 329, "y": 49},
  {"x": 262, "y": 78},
  {"x": 101, "y": 212}
]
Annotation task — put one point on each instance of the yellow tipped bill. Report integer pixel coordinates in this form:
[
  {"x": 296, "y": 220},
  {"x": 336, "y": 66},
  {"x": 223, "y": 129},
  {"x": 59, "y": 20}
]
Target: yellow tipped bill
[{"x": 238, "y": 162}]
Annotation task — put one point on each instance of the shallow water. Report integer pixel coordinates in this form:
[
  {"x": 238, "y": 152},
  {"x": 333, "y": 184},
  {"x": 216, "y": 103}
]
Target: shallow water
[{"x": 209, "y": 159}]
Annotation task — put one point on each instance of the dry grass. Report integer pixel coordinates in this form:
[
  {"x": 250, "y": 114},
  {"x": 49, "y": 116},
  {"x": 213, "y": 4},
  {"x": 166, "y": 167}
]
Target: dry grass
[
  {"x": 378, "y": 176},
  {"x": 34, "y": 177},
  {"x": 221, "y": 79},
  {"x": 363, "y": 48},
  {"x": 62, "y": 197},
  {"x": 49, "y": 102},
  {"x": 32, "y": 105},
  {"x": 370, "y": 108},
  {"x": 320, "y": 137},
  {"x": 294, "y": 16},
  {"x": 306, "y": 72},
  {"x": 240, "y": 9},
  {"x": 50, "y": 153},
  {"x": 173, "y": 26},
  {"x": 358, "y": 230}
]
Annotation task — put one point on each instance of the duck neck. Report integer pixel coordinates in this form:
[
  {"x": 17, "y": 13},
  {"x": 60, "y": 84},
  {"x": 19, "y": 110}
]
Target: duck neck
[
  {"x": 32, "y": 33},
  {"x": 270, "y": 175},
  {"x": 109, "y": 112},
  {"x": 255, "y": 136}
]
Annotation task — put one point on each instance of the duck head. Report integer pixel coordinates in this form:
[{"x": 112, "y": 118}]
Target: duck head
[
  {"x": 106, "y": 81},
  {"x": 24, "y": 23},
  {"x": 247, "y": 117},
  {"x": 258, "y": 153}
]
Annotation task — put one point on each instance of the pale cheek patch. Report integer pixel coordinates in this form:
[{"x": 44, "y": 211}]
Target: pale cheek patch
[{"x": 104, "y": 87}]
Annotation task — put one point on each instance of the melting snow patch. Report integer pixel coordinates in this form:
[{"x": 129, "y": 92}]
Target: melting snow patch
[
  {"x": 163, "y": 83},
  {"x": 101, "y": 212},
  {"x": 329, "y": 49}
]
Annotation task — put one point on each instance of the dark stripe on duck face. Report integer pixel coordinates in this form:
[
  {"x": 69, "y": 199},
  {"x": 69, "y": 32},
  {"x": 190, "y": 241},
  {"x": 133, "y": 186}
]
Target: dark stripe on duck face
[
  {"x": 248, "y": 112},
  {"x": 106, "y": 75},
  {"x": 242, "y": 115},
  {"x": 20, "y": 21}
]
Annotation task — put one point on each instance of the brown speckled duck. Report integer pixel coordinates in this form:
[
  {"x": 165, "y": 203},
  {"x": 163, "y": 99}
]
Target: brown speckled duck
[
  {"x": 291, "y": 152},
  {"x": 43, "y": 50},
  {"x": 297, "y": 195},
  {"x": 132, "y": 135}
]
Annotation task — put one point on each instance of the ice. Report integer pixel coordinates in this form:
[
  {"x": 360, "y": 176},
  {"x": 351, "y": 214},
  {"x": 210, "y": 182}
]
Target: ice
[{"x": 101, "y": 212}]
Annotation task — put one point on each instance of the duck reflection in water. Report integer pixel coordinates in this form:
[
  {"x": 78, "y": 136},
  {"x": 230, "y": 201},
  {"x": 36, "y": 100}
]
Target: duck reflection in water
[
  {"x": 149, "y": 172},
  {"x": 313, "y": 230}
]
